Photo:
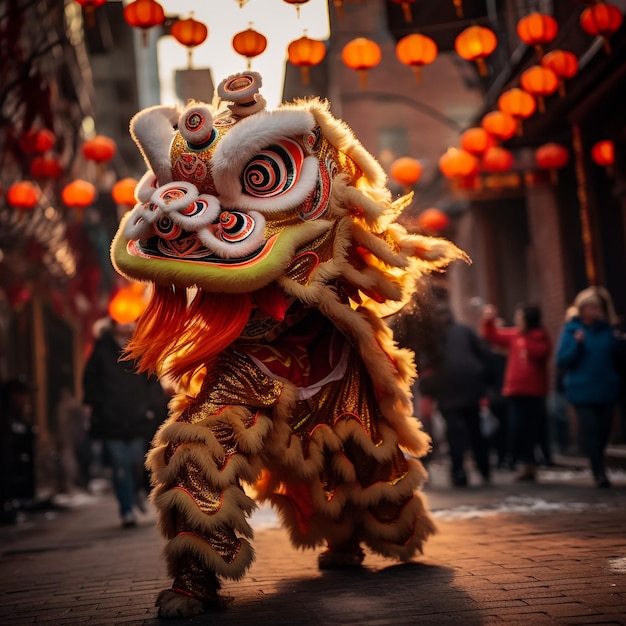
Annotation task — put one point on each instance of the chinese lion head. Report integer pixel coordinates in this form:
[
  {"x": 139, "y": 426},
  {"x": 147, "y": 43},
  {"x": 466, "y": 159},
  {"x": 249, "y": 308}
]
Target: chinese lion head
[{"x": 272, "y": 243}]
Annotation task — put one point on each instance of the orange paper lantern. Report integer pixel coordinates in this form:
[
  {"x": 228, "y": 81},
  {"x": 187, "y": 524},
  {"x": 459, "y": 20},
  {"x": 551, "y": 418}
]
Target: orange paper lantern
[
  {"x": 127, "y": 305},
  {"x": 99, "y": 149},
  {"x": 37, "y": 141},
  {"x": 497, "y": 159},
  {"x": 416, "y": 50},
  {"x": 563, "y": 63},
  {"x": 23, "y": 195},
  {"x": 249, "y": 44},
  {"x": 552, "y": 156},
  {"x": 475, "y": 44},
  {"x": 499, "y": 124},
  {"x": 123, "y": 191},
  {"x": 537, "y": 29},
  {"x": 304, "y": 53},
  {"x": 361, "y": 55},
  {"x": 79, "y": 194},
  {"x": 45, "y": 167},
  {"x": 406, "y": 171},
  {"x": 603, "y": 153},
  {"x": 476, "y": 141},
  {"x": 189, "y": 33},
  {"x": 540, "y": 82},
  {"x": 406, "y": 9},
  {"x": 601, "y": 20},
  {"x": 458, "y": 163},
  {"x": 144, "y": 14},
  {"x": 517, "y": 103},
  {"x": 432, "y": 221}
]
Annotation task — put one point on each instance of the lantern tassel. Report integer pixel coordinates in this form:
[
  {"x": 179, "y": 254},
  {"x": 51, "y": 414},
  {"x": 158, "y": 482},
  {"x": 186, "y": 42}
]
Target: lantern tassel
[
  {"x": 90, "y": 15},
  {"x": 561, "y": 88},
  {"x": 145, "y": 38},
  {"x": 363, "y": 79},
  {"x": 607, "y": 45},
  {"x": 406, "y": 9},
  {"x": 482, "y": 67},
  {"x": 305, "y": 74},
  {"x": 541, "y": 105},
  {"x": 459, "y": 8},
  {"x": 539, "y": 51},
  {"x": 417, "y": 72},
  {"x": 339, "y": 8},
  {"x": 189, "y": 59}
]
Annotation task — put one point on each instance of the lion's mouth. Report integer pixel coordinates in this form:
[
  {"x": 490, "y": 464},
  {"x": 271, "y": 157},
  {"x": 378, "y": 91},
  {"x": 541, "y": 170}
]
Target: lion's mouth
[{"x": 188, "y": 247}]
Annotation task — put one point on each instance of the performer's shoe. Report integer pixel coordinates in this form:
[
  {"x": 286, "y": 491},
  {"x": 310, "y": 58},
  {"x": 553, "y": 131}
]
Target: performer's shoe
[
  {"x": 174, "y": 603},
  {"x": 528, "y": 475},
  {"x": 128, "y": 521},
  {"x": 340, "y": 559}
]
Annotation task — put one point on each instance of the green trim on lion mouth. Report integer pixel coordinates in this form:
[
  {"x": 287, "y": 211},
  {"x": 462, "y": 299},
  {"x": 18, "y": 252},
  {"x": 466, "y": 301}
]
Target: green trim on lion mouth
[{"x": 227, "y": 275}]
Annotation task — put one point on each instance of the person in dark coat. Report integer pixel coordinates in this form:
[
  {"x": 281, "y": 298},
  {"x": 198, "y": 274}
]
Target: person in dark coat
[
  {"x": 456, "y": 377},
  {"x": 589, "y": 351},
  {"x": 126, "y": 408}
]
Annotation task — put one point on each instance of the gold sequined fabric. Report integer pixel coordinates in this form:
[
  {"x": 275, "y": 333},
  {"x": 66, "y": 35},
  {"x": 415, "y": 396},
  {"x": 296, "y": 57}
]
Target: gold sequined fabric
[
  {"x": 207, "y": 498},
  {"x": 195, "y": 580}
]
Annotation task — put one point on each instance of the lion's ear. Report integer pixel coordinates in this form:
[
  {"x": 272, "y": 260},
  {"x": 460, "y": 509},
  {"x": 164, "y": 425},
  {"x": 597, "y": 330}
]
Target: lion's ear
[{"x": 153, "y": 130}]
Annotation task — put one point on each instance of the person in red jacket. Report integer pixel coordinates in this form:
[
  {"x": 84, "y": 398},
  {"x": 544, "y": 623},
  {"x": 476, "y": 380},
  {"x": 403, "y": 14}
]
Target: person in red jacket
[{"x": 525, "y": 378}]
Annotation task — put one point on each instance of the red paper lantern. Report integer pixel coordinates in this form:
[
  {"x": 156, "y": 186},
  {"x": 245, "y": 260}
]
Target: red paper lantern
[
  {"x": 123, "y": 191},
  {"x": 99, "y": 149},
  {"x": 37, "y": 141},
  {"x": 361, "y": 55},
  {"x": 79, "y": 194},
  {"x": 127, "y": 305},
  {"x": 416, "y": 50},
  {"x": 144, "y": 14},
  {"x": 563, "y": 63},
  {"x": 497, "y": 159},
  {"x": 189, "y": 33},
  {"x": 249, "y": 44},
  {"x": 499, "y": 124},
  {"x": 476, "y": 141},
  {"x": 601, "y": 20},
  {"x": 475, "y": 44},
  {"x": 432, "y": 221},
  {"x": 537, "y": 29},
  {"x": 552, "y": 156},
  {"x": 406, "y": 9},
  {"x": 540, "y": 82},
  {"x": 517, "y": 103},
  {"x": 297, "y": 3},
  {"x": 406, "y": 171},
  {"x": 23, "y": 195},
  {"x": 603, "y": 153},
  {"x": 45, "y": 167},
  {"x": 458, "y": 163},
  {"x": 304, "y": 53}
]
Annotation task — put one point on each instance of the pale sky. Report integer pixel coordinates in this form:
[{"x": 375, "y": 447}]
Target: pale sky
[{"x": 275, "y": 19}]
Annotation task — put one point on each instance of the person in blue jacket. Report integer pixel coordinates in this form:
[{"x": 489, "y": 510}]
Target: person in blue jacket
[{"x": 588, "y": 353}]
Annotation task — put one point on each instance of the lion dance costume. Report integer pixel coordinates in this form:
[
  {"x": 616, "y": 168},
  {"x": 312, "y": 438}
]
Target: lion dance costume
[{"x": 271, "y": 241}]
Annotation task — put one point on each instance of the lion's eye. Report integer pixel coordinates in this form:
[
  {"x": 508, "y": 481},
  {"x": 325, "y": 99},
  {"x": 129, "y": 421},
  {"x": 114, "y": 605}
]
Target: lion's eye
[{"x": 274, "y": 170}]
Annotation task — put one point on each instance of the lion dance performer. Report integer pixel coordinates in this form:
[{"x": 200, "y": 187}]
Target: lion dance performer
[{"x": 271, "y": 241}]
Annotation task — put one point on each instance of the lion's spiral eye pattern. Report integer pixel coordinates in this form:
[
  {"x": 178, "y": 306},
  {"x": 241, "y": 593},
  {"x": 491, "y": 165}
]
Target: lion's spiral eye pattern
[
  {"x": 167, "y": 228},
  {"x": 274, "y": 170},
  {"x": 235, "y": 226},
  {"x": 197, "y": 207}
]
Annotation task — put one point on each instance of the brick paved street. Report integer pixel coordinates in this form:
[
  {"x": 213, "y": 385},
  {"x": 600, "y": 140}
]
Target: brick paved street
[{"x": 554, "y": 552}]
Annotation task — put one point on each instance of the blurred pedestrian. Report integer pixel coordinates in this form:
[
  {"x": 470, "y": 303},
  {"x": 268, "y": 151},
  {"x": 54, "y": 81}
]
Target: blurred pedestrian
[
  {"x": 126, "y": 408},
  {"x": 17, "y": 447},
  {"x": 525, "y": 381},
  {"x": 455, "y": 375},
  {"x": 588, "y": 353}
]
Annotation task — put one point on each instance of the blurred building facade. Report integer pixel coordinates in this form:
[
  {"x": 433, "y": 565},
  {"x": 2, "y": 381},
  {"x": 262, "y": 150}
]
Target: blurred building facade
[{"x": 530, "y": 238}]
